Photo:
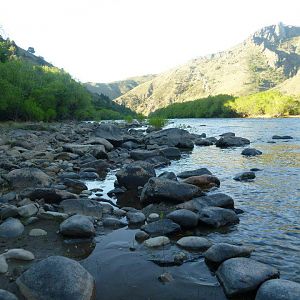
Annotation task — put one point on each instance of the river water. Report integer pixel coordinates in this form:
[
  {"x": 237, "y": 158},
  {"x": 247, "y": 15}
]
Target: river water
[{"x": 271, "y": 203}]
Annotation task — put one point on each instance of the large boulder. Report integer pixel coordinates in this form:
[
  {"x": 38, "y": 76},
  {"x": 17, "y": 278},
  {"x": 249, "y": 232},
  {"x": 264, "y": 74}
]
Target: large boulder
[
  {"x": 185, "y": 218},
  {"x": 77, "y": 226},
  {"x": 160, "y": 189},
  {"x": 222, "y": 251},
  {"x": 197, "y": 172},
  {"x": 217, "y": 217},
  {"x": 57, "y": 277},
  {"x": 242, "y": 275},
  {"x": 204, "y": 182},
  {"x": 135, "y": 174},
  {"x": 27, "y": 177},
  {"x": 278, "y": 289},
  {"x": 172, "y": 137},
  {"x": 231, "y": 141},
  {"x": 161, "y": 227},
  {"x": 111, "y": 133},
  {"x": 11, "y": 228}
]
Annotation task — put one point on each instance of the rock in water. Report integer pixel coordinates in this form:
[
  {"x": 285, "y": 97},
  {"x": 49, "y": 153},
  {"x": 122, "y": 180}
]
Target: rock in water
[
  {"x": 57, "y": 277},
  {"x": 135, "y": 174},
  {"x": 278, "y": 289},
  {"x": 242, "y": 275},
  {"x": 11, "y": 228},
  {"x": 282, "y": 137},
  {"x": 245, "y": 176},
  {"x": 5, "y": 295},
  {"x": 231, "y": 141},
  {"x": 160, "y": 189},
  {"x": 157, "y": 241},
  {"x": 135, "y": 217},
  {"x": 197, "y": 172},
  {"x": 195, "y": 243},
  {"x": 251, "y": 152},
  {"x": 220, "y": 252},
  {"x": 185, "y": 218},
  {"x": 77, "y": 226},
  {"x": 204, "y": 182},
  {"x": 161, "y": 227}
]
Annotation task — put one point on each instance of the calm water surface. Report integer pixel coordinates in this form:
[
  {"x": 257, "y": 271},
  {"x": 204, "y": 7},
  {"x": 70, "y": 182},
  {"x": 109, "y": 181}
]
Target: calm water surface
[{"x": 271, "y": 222}]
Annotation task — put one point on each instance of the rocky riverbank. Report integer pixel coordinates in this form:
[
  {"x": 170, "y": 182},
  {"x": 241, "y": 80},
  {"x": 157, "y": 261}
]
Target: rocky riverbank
[{"x": 50, "y": 220}]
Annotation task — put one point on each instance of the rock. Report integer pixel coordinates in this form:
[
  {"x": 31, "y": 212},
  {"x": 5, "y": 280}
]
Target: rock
[
  {"x": 278, "y": 289},
  {"x": 3, "y": 264},
  {"x": 76, "y": 186},
  {"x": 100, "y": 165},
  {"x": 185, "y": 218},
  {"x": 153, "y": 217},
  {"x": 11, "y": 228},
  {"x": 168, "y": 175},
  {"x": 161, "y": 227},
  {"x": 57, "y": 277},
  {"x": 172, "y": 137},
  {"x": 218, "y": 253},
  {"x": 143, "y": 154},
  {"x": 158, "y": 241},
  {"x": 282, "y": 137},
  {"x": 6, "y": 295},
  {"x": 37, "y": 232},
  {"x": 135, "y": 174},
  {"x": 88, "y": 175},
  {"x": 130, "y": 145},
  {"x": 27, "y": 177},
  {"x": 84, "y": 207},
  {"x": 120, "y": 212},
  {"x": 158, "y": 161},
  {"x": 69, "y": 175},
  {"x": 8, "y": 211},
  {"x": 243, "y": 275},
  {"x": 28, "y": 210},
  {"x": 50, "y": 195},
  {"x": 228, "y": 134},
  {"x": 197, "y": 172},
  {"x": 141, "y": 236},
  {"x": 160, "y": 189},
  {"x": 77, "y": 226},
  {"x": 8, "y": 197},
  {"x": 97, "y": 151},
  {"x": 170, "y": 152},
  {"x": 217, "y": 217},
  {"x": 203, "y": 142},
  {"x": 251, "y": 152},
  {"x": 231, "y": 141},
  {"x": 53, "y": 215},
  {"x": 244, "y": 176},
  {"x": 165, "y": 277},
  {"x": 195, "y": 243},
  {"x": 113, "y": 223},
  {"x": 19, "y": 254},
  {"x": 204, "y": 182},
  {"x": 135, "y": 218},
  {"x": 100, "y": 141},
  {"x": 111, "y": 133}
]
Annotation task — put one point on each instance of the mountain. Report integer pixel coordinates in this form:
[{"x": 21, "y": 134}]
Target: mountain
[
  {"x": 267, "y": 59},
  {"x": 117, "y": 88}
]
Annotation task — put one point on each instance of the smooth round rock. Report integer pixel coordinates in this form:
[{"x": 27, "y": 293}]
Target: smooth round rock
[
  {"x": 11, "y": 228},
  {"x": 251, "y": 152},
  {"x": 157, "y": 241},
  {"x": 278, "y": 289},
  {"x": 37, "y": 232},
  {"x": 77, "y": 226},
  {"x": 185, "y": 218},
  {"x": 135, "y": 217},
  {"x": 141, "y": 236},
  {"x": 57, "y": 277},
  {"x": 195, "y": 243},
  {"x": 6, "y": 295},
  {"x": 153, "y": 217}
]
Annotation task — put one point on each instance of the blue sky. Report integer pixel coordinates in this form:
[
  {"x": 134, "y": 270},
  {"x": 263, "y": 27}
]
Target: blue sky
[{"x": 106, "y": 40}]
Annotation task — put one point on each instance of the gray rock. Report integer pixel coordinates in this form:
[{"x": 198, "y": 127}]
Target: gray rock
[
  {"x": 100, "y": 141},
  {"x": 135, "y": 174},
  {"x": 170, "y": 152},
  {"x": 27, "y": 177},
  {"x": 111, "y": 133},
  {"x": 19, "y": 254},
  {"x": 143, "y": 154},
  {"x": 77, "y": 226},
  {"x": 278, "y": 289},
  {"x": 228, "y": 134},
  {"x": 52, "y": 215},
  {"x": 161, "y": 227},
  {"x": 241, "y": 275},
  {"x": 222, "y": 251},
  {"x": 185, "y": 218},
  {"x": 203, "y": 142},
  {"x": 135, "y": 217},
  {"x": 282, "y": 137},
  {"x": 168, "y": 175},
  {"x": 158, "y": 241},
  {"x": 197, "y": 172},
  {"x": 100, "y": 165},
  {"x": 141, "y": 236},
  {"x": 114, "y": 223},
  {"x": 84, "y": 207},
  {"x": 195, "y": 243},
  {"x": 97, "y": 151},
  {"x": 244, "y": 176},
  {"x": 8, "y": 211},
  {"x": 11, "y": 228},
  {"x": 251, "y": 152},
  {"x": 160, "y": 189},
  {"x": 217, "y": 217},
  {"x": 6, "y": 295},
  {"x": 76, "y": 186},
  {"x": 37, "y": 232},
  {"x": 89, "y": 175},
  {"x": 231, "y": 141},
  {"x": 57, "y": 277},
  {"x": 158, "y": 161},
  {"x": 153, "y": 217},
  {"x": 165, "y": 277},
  {"x": 11, "y": 196},
  {"x": 28, "y": 210},
  {"x": 50, "y": 195}
]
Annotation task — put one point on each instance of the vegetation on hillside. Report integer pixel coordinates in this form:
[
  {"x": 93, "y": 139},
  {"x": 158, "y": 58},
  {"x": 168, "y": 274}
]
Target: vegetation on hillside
[
  {"x": 33, "y": 92},
  {"x": 270, "y": 103}
]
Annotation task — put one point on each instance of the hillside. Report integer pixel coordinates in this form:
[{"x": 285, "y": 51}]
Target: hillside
[
  {"x": 268, "y": 58},
  {"x": 117, "y": 88}
]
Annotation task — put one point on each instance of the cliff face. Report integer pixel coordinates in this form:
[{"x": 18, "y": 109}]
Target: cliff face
[{"x": 263, "y": 61}]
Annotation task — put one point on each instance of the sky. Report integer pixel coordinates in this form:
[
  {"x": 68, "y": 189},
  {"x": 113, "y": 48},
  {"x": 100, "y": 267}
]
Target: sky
[{"x": 108, "y": 40}]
